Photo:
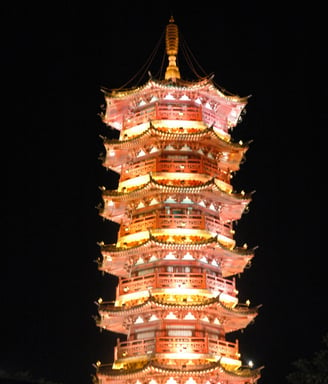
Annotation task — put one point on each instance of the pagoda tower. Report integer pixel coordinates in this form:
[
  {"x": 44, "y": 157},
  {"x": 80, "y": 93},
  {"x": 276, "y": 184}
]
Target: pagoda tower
[{"x": 175, "y": 258}]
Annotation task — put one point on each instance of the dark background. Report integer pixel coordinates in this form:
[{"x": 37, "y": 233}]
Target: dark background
[{"x": 55, "y": 60}]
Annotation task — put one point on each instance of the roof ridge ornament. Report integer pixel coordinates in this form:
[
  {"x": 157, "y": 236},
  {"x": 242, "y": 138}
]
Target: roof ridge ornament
[{"x": 172, "y": 46}]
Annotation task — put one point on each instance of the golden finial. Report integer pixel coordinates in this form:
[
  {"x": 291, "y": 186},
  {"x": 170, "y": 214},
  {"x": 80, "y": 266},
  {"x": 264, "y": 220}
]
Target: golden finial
[{"x": 172, "y": 46}]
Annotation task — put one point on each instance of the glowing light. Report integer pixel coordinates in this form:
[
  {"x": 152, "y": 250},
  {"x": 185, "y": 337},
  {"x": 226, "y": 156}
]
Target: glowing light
[
  {"x": 185, "y": 148},
  {"x": 170, "y": 256},
  {"x": 171, "y": 316},
  {"x": 250, "y": 364},
  {"x": 190, "y": 316},
  {"x": 170, "y": 200},
  {"x": 139, "y": 320},
  {"x": 169, "y": 97},
  {"x": 141, "y": 153},
  {"x": 208, "y": 105},
  {"x": 188, "y": 256},
  {"x": 184, "y": 97},
  {"x": 186, "y": 200}
]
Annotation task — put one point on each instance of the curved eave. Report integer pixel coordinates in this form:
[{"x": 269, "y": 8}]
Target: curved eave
[
  {"x": 235, "y": 260},
  {"x": 233, "y": 319},
  {"x": 151, "y": 368},
  {"x": 205, "y": 84},
  {"x": 117, "y": 251},
  {"x": 209, "y": 187},
  {"x": 239, "y": 310},
  {"x": 152, "y": 131}
]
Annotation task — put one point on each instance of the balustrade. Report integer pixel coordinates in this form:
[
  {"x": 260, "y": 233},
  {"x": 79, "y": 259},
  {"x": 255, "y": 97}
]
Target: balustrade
[
  {"x": 166, "y": 220},
  {"x": 141, "y": 168},
  {"x": 211, "y": 117},
  {"x": 190, "y": 280},
  {"x": 134, "y": 348},
  {"x": 176, "y": 344},
  {"x": 202, "y": 166},
  {"x": 213, "y": 224},
  {"x": 163, "y": 111}
]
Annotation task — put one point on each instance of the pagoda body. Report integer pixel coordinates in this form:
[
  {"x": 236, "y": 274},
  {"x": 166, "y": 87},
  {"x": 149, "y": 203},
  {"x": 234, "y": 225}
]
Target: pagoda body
[{"x": 175, "y": 256}]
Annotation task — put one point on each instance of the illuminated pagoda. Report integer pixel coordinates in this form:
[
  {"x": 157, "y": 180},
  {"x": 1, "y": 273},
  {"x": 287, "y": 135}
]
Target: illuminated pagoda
[{"x": 175, "y": 257}]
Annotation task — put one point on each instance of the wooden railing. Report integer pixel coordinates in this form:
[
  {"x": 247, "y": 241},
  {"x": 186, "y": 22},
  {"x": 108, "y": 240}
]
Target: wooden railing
[
  {"x": 162, "y": 164},
  {"x": 188, "y": 280},
  {"x": 176, "y": 344},
  {"x": 164, "y": 111},
  {"x": 165, "y": 220},
  {"x": 126, "y": 349},
  {"x": 211, "y": 117},
  {"x": 176, "y": 110}
]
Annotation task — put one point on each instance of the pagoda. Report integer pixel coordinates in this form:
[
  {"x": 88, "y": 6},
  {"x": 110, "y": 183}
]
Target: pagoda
[{"x": 175, "y": 258}]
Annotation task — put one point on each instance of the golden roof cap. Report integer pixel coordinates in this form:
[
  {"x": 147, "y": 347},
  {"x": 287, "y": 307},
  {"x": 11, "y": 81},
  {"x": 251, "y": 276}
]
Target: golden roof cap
[{"x": 172, "y": 47}]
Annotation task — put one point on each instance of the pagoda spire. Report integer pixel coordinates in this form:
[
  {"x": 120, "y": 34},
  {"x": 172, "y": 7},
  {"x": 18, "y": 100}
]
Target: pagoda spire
[{"x": 172, "y": 46}]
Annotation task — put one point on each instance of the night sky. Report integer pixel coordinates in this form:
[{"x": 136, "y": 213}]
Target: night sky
[{"x": 56, "y": 59}]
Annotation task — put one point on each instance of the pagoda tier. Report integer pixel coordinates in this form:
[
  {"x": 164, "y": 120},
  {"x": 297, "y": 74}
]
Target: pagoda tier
[
  {"x": 199, "y": 101},
  {"x": 120, "y": 260},
  {"x": 210, "y": 315},
  {"x": 153, "y": 372},
  {"x": 211, "y": 197},
  {"x": 214, "y": 151}
]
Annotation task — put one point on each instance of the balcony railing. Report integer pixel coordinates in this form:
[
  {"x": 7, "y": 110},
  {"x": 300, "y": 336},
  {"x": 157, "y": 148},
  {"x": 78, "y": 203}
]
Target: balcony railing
[
  {"x": 176, "y": 344},
  {"x": 202, "y": 165},
  {"x": 175, "y": 110},
  {"x": 162, "y": 220},
  {"x": 164, "y": 111},
  {"x": 189, "y": 280},
  {"x": 128, "y": 349}
]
